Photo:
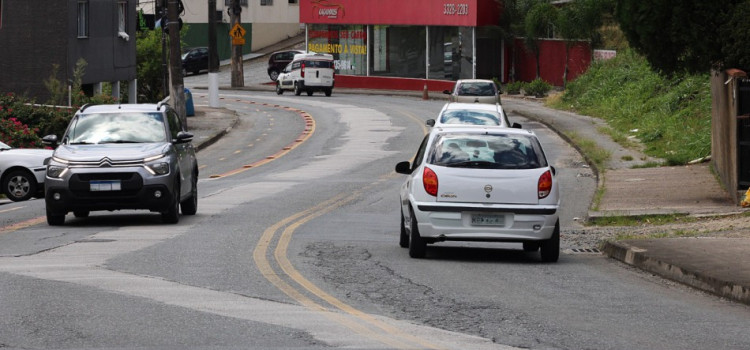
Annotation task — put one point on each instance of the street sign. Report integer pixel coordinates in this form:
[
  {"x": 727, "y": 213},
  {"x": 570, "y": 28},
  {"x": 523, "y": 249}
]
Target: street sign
[
  {"x": 237, "y": 31},
  {"x": 238, "y": 41}
]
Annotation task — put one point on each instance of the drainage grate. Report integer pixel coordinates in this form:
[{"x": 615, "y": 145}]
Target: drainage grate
[{"x": 583, "y": 251}]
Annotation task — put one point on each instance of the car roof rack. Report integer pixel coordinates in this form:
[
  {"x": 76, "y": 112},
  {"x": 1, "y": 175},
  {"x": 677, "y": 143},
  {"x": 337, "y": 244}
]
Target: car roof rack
[{"x": 85, "y": 105}]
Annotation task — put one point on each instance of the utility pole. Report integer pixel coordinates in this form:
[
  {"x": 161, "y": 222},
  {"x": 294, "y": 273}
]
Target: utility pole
[
  {"x": 238, "y": 75},
  {"x": 161, "y": 6},
  {"x": 213, "y": 57},
  {"x": 177, "y": 85}
]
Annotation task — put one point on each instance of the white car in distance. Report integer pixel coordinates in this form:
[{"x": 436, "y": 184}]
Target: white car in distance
[
  {"x": 480, "y": 184},
  {"x": 460, "y": 113}
]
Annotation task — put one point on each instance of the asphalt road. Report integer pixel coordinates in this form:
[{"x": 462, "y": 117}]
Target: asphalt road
[{"x": 301, "y": 252}]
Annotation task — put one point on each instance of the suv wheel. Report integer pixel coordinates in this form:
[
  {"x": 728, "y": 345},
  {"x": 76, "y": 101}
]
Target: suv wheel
[
  {"x": 279, "y": 90},
  {"x": 172, "y": 215},
  {"x": 273, "y": 74},
  {"x": 297, "y": 90},
  {"x": 190, "y": 205},
  {"x": 55, "y": 219}
]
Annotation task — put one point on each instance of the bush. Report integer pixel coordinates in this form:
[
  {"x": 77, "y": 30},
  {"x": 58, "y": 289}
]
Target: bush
[
  {"x": 538, "y": 88},
  {"x": 514, "y": 88},
  {"x": 22, "y": 124},
  {"x": 671, "y": 115}
]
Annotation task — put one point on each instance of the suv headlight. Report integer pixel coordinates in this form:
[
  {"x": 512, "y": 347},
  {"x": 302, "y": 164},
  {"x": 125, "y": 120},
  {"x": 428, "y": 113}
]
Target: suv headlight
[
  {"x": 57, "y": 167},
  {"x": 161, "y": 168},
  {"x": 156, "y": 165}
]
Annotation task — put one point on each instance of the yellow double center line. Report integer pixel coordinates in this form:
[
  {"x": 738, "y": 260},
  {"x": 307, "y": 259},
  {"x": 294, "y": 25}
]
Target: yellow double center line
[{"x": 360, "y": 322}]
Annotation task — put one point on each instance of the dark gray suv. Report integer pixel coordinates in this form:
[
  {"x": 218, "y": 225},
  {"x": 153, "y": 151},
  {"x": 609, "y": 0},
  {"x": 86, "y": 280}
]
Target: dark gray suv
[{"x": 116, "y": 157}]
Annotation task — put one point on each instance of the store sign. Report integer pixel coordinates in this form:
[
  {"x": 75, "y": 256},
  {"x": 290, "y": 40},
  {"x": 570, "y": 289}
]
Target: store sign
[
  {"x": 327, "y": 9},
  {"x": 401, "y": 12}
]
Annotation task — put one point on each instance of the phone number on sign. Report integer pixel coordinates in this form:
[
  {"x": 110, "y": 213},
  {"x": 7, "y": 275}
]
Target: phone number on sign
[{"x": 456, "y": 9}]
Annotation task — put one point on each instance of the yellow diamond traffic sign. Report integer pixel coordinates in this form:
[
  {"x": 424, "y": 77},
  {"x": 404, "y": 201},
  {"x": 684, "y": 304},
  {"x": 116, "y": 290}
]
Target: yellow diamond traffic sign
[{"x": 237, "y": 31}]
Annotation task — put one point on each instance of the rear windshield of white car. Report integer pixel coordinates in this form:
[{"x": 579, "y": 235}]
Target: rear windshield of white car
[
  {"x": 130, "y": 127},
  {"x": 487, "y": 151},
  {"x": 319, "y": 64},
  {"x": 469, "y": 117},
  {"x": 477, "y": 89}
]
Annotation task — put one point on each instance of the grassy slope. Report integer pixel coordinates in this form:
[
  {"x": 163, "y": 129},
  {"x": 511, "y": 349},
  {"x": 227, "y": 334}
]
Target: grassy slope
[{"x": 672, "y": 115}]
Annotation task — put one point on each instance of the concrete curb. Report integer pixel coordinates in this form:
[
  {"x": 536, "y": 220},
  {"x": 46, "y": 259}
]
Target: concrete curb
[
  {"x": 638, "y": 257},
  {"x": 215, "y": 137}
]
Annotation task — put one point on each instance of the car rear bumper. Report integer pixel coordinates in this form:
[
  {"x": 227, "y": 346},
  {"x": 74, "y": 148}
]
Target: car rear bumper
[{"x": 454, "y": 223}]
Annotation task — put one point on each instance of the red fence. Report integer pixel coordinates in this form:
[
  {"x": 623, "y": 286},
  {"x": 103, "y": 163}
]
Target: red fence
[{"x": 551, "y": 61}]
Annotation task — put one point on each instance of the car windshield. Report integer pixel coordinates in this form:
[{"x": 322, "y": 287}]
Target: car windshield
[
  {"x": 489, "y": 151},
  {"x": 469, "y": 117},
  {"x": 130, "y": 127},
  {"x": 476, "y": 89}
]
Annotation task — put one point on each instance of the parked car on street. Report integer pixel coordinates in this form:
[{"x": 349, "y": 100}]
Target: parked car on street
[
  {"x": 474, "y": 91},
  {"x": 277, "y": 61},
  {"x": 22, "y": 171},
  {"x": 481, "y": 184},
  {"x": 194, "y": 60},
  {"x": 459, "y": 113},
  {"x": 114, "y": 157},
  {"x": 309, "y": 73}
]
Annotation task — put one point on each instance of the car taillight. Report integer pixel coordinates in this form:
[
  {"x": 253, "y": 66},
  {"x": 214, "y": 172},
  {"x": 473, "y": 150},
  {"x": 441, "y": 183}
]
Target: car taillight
[
  {"x": 302, "y": 70},
  {"x": 545, "y": 184},
  {"x": 430, "y": 181}
]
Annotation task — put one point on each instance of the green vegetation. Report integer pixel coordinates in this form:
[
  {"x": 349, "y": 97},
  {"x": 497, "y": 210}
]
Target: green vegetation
[
  {"x": 670, "y": 115},
  {"x": 639, "y": 220},
  {"x": 537, "y": 87},
  {"x": 594, "y": 154}
]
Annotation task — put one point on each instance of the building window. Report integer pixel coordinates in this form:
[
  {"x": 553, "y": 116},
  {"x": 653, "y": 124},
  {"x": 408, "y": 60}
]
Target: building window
[
  {"x": 229, "y": 3},
  {"x": 83, "y": 18},
  {"x": 266, "y": 2},
  {"x": 1, "y": 13},
  {"x": 293, "y": 1}
]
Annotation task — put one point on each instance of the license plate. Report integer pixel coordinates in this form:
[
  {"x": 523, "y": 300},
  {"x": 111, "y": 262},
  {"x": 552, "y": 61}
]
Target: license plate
[
  {"x": 105, "y": 185},
  {"x": 487, "y": 220}
]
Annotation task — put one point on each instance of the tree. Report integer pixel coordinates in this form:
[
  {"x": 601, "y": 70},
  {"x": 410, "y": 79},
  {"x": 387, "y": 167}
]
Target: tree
[
  {"x": 539, "y": 23},
  {"x": 736, "y": 49},
  {"x": 149, "y": 67},
  {"x": 580, "y": 20},
  {"x": 512, "y": 25},
  {"x": 679, "y": 35}
]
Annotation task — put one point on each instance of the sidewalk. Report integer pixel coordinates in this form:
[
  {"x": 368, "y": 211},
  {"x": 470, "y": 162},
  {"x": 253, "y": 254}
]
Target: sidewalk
[{"x": 717, "y": 265}]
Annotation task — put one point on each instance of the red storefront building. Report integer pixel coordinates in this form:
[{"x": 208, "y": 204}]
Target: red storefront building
[
  {"x": 427, "y": 41},
  {"x": 416, "y": 39}
]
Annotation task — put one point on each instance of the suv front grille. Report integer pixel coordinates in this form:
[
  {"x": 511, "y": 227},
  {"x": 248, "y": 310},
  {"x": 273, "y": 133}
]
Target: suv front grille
[
  {"x": 105, "y": 163},
  {"x": 130, "y": 183}
]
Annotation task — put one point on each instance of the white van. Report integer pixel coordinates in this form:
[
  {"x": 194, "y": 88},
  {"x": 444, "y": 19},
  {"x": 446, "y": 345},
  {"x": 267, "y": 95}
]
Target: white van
[{"x": 308, "y": 72}]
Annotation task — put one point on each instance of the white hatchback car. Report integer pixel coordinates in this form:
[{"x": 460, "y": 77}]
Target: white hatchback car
[
  {"x": 22, "y": 171},
  {"x": 486, "y": 184},
  {"x": 472, "y": 114}
]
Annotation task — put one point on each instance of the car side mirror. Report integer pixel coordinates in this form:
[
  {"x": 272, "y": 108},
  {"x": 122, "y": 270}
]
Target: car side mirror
[
  {"x": 447, "y": 92},
  {"x": 554, "y": 171},
  {"x": 516, "y": 126},
  {"x": 403, "y": 168},
  {"x": 183, "y": 137},
  {"x": 50, "y": 141},
  {"x": 430, "y": 122}
]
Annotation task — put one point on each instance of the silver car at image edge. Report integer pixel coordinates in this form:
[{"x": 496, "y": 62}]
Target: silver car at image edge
[
  {"x": 116, "y": 157},
  {"x": 481, "y": 184},
  {"x": 22, "y": 171}
]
